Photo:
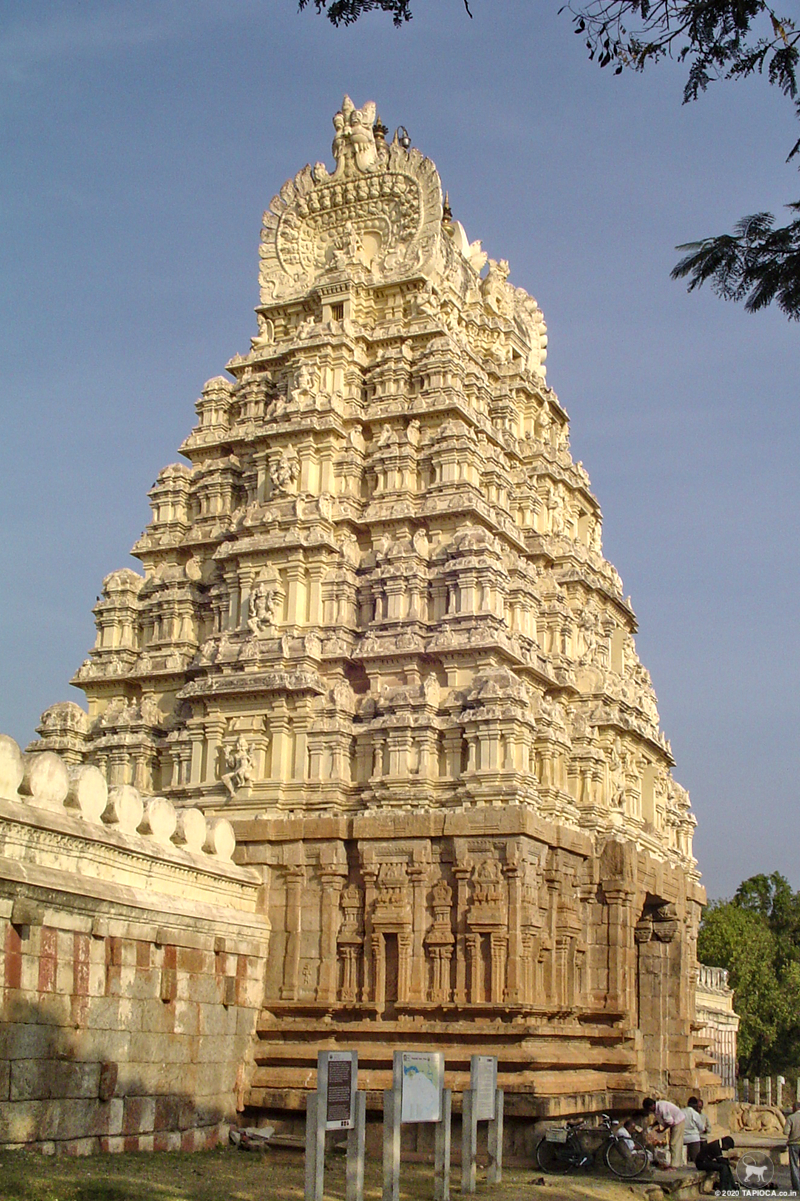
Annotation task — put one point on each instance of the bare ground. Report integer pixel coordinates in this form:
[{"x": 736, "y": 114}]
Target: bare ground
[{"x": 231, "y": 1175}]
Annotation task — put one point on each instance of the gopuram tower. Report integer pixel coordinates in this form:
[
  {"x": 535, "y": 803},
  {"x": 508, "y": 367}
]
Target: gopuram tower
[{"x": 376, "y": 631}]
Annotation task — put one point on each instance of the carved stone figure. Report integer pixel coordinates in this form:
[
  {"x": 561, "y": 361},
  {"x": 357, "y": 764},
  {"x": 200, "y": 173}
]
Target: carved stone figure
[
  {"x": 261, "y": 608},
  {"x": 495, "y": 289},
  {"x": 239, "y": 760},
  {"x": 283, "y": 472},
  {"x": 354, "y": 141}
]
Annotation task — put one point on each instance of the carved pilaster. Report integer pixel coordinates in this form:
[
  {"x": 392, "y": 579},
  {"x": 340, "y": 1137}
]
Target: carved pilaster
[{"x": 295, "y": 880}]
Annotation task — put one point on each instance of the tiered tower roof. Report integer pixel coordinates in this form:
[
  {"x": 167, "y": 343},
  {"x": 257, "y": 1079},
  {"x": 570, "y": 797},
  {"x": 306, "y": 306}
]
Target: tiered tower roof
[{"x": 378, "y": 581}]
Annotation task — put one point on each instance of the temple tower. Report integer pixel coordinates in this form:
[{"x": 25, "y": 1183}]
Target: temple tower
[{"x": 375, "y": 630}]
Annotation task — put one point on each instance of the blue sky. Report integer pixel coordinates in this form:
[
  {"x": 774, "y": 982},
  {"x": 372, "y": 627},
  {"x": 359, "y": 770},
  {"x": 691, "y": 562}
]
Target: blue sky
[{"x": 140, "y": 145}]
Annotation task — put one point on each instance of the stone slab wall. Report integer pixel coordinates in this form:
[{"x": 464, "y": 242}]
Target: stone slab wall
[{"x": 133, "y": 965}]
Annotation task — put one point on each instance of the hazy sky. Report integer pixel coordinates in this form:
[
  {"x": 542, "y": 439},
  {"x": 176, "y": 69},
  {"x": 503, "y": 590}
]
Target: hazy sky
[{"x": 140, "y": 145}]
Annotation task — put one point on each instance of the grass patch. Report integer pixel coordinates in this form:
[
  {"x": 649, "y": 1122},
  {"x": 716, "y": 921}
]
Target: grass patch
[{"x": 231, "y": 1175}]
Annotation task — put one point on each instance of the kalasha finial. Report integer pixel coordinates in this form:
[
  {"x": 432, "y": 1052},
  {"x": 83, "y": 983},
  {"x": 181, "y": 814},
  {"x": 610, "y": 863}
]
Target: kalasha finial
[
  {"x": 379, "y": 130},
  {"x": 447, "y": 212}
]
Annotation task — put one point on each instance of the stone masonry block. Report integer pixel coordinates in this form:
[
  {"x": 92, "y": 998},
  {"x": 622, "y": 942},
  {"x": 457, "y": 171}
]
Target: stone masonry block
[
  {"x": 5, "y": 1079},
  {"x": 217, "y": 1020},
  {"x": 215, "y": 1050},
  {"x": 146, "y": 984},
  {"x": 26, "y": 1041},
  {"x": 112, "y": 1112},
  {"x": 161, "y": 1048},
  {"x": 169, "y": 1112},
  {"x": 53, "y": 1009},
  {"x": 198, "y": 987},
  {"x": 215, "y": 1081},
  {"x": 192, "y": 960},
  {"x": 112, "y": 1145},
  {"x": 79, "y": 1119},
  {"x": 100, "y": 1045},
  {"x": 245, "y": 1021},
  {"x": 20, "y": 1123},
  {"x": 75, "y": 1080},
  {"x": 30, "y": 1079},
  {"x": 138, "y": 1115},
  {"x": 104, "y": 1014},
  {"x": 29, "y": 974},
  {"x": 81, "y": 1146},
  {"x": 187, "y": 1018},
  {"x": 64, "y": 977},
  {"x": 157, "y": 1018}
]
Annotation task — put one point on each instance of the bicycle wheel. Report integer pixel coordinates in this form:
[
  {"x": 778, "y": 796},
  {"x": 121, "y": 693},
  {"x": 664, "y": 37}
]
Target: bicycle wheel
[
  {"x": 624, "y": 1160},
  {"x": 553, "y": 1157}
]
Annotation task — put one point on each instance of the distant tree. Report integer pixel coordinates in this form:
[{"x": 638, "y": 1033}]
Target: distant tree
[
  {"x": 756, "y": 936},
  {"x": 346, "y": 12},
  {"x": 759, "y": 262}
]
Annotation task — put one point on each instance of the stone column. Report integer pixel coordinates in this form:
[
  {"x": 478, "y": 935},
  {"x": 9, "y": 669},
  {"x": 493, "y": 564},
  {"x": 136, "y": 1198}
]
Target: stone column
[
  {"x": 295, "y": 880},
  {"x": 461, "y": 873},
  {"x": 499, "y": 946},
  {"x": 620, "y": 935},
  {"x": 513, "y": 991},
  {"x": 315, "y": 594},
  {"x": 474, "y": 965},
  {"x": 417, "y": 873},
  {"x": 332, "y": 880},
  {"x": 370, "y": 873},
  {"x": 215, "y": 730},
  {"x": 295, "y": 601},
  {"x": 404, "y": 955},
  {"x": 197, "y": 738},
  {"x": 378, "y": 968}
]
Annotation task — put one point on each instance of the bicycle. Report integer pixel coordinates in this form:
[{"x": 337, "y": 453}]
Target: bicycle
[{"x": 562, "y": 1150}]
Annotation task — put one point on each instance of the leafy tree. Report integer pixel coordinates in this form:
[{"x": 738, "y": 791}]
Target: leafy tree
[
  {"x": 756, "y": 936},
  {"x": 759, "y": 262}
]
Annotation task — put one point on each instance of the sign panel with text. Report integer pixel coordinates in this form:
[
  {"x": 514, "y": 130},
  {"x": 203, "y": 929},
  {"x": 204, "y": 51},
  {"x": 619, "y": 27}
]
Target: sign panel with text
[
  {"x": 483, "y": 1082},
  {"x": 341, "y": 1068},
  {"x": 422, "y": 1083}
]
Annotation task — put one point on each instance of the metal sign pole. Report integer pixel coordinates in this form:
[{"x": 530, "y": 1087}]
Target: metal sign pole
[
  {"x": 469, "y": 1140},
  {"x": 391, "y": 1145},
  {"x": 312, "y": 1109},
  {"x": 494, "y": 1172},
  {"x": 441, "y": 1162},
  {"x": 355, "y": 1151}
]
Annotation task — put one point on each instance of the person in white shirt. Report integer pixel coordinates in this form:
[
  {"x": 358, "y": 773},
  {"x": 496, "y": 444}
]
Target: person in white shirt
[
  {"x": 695, "y": 1132},
  {"x": 792, "y": 1132},
  {"x": 668, "y": 1117}
]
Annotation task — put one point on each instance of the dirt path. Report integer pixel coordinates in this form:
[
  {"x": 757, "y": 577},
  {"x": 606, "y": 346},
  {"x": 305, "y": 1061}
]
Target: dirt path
[{"x": 230, "y": 1175}]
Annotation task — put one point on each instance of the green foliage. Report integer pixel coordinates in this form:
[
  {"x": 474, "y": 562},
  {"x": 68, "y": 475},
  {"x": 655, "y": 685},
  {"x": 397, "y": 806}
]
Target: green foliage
[
  {"x": 346, "y": 12},
  {"x": 759, "y": 263},
  {"x": 756, "y": 936},
  {"x": 718, "y": 39}
]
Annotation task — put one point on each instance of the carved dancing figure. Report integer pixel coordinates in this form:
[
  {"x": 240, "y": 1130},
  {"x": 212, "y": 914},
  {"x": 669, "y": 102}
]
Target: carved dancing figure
[
  {"x": 261, "y": 608},
  {"x": 239, "y": 759},
  {"x": 283, "y": 472}
]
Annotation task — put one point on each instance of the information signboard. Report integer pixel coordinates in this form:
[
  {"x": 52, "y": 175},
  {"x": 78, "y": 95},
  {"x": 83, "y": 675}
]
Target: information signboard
[
  {"x": 422, "y": 1082},
  {"x": 341, "y": 1083},
  {"x": 483, "y": 1082}
]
